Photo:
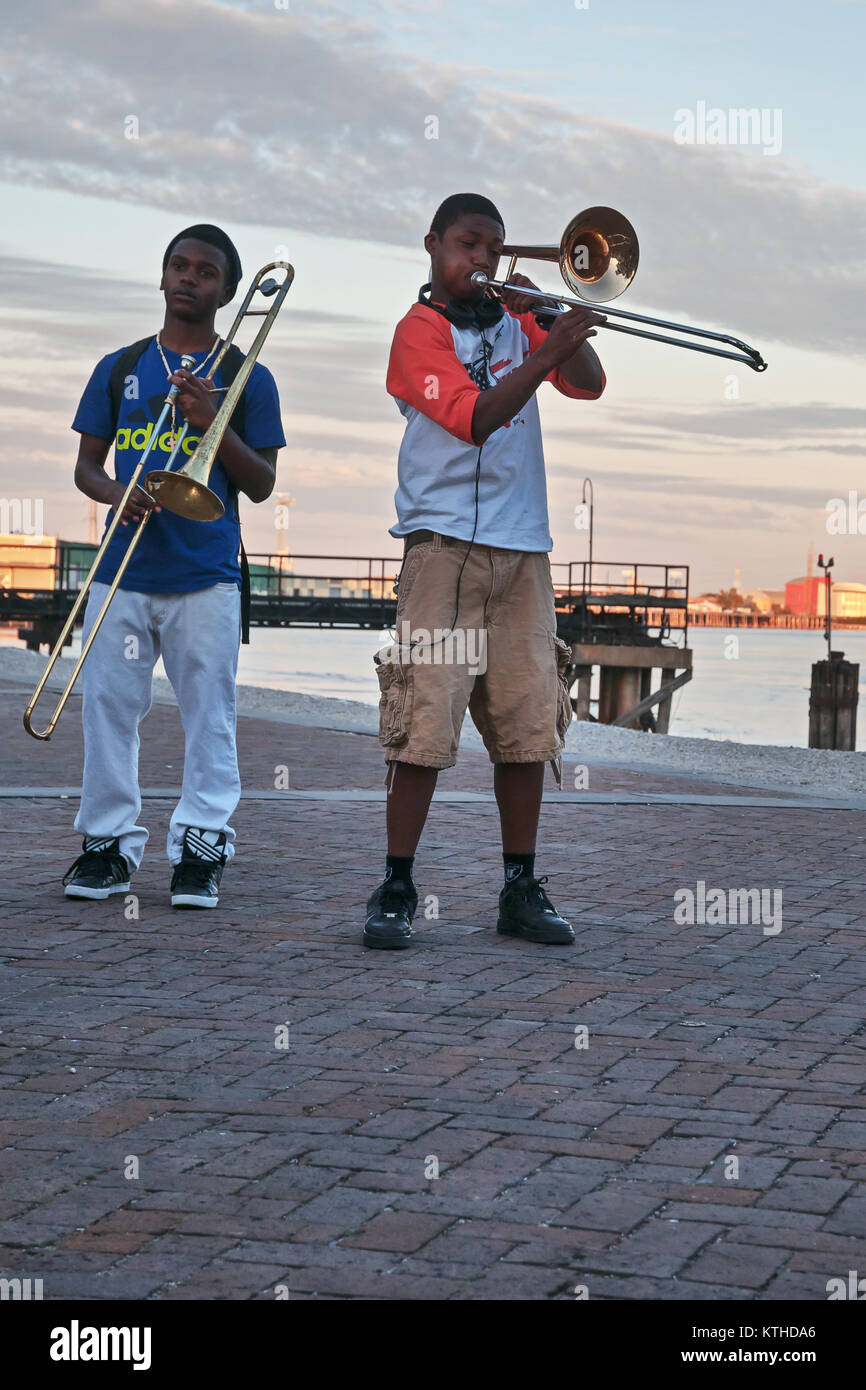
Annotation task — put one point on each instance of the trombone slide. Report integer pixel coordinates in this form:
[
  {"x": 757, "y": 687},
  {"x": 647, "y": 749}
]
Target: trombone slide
[{"x": 748, "y": 355}]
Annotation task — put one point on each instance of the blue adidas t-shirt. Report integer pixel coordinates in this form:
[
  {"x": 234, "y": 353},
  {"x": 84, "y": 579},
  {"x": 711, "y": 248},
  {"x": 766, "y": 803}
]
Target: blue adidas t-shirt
[{"x": 174, "y": 555}]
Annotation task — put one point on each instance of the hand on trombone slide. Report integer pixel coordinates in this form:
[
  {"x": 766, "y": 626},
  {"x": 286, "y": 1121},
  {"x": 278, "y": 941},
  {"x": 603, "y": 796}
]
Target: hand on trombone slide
[
  {"x": 196, "y": 398},
  {"x": 569, "y": 330},
  {"x": 524, "y": 303},
  {"x": 138, "y": 506}
]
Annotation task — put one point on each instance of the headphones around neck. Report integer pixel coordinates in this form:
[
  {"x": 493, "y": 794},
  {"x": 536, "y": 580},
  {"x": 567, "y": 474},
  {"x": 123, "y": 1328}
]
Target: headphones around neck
[{"x": 484, "y": 313}]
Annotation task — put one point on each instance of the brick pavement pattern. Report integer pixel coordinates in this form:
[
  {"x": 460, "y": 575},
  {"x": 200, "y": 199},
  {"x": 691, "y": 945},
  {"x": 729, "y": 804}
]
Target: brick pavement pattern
[{"x": 434, "y": 1127}]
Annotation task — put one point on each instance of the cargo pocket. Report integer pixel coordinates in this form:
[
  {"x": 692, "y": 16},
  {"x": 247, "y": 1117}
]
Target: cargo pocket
[
  {"x": 409, "y": 570},
  {"x": 564, "y": 711},
  {"x": 395, "y": 700}
]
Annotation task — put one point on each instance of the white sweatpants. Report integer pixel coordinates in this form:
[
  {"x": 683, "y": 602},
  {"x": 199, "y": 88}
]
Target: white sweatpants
[{"x": 197, "y": 635}]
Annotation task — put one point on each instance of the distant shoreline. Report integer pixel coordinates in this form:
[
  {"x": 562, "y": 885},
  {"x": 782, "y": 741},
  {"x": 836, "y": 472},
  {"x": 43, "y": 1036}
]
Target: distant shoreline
[{"x": 791, "y": 622}]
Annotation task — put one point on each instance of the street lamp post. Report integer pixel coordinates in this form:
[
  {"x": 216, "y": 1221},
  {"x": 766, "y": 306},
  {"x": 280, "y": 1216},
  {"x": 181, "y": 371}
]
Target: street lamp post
[
  {"x": 587, "y": 483},
  {"x": 282, "y": 502}
]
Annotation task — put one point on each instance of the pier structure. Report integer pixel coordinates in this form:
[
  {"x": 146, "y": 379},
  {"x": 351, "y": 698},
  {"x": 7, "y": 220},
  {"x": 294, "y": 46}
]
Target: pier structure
[{"x": 623, "y": 621}]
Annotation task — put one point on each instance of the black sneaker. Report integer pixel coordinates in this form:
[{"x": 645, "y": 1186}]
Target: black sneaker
[
  {"x": 97, "y": 873},
  {"x": 526, "y": 910},
  {"x": 389, "y": 915},
  {"x": 196, "y": 879}
]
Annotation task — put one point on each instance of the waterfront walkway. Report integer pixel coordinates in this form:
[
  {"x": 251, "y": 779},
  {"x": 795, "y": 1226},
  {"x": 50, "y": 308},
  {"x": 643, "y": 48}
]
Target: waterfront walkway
[{"x": 238, "y": 1103}]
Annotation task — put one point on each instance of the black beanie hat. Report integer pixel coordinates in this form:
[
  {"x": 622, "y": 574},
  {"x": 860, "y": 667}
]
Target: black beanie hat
[{"x": 214, "y": 236}]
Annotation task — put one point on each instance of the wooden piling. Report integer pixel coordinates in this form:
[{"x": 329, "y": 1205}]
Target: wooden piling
[
  {"x": 833, "y": 704},
  {"x": 583, "y": 679},
  {"x": 626, "y": 682},
  {"x": 618, "y": 691}
]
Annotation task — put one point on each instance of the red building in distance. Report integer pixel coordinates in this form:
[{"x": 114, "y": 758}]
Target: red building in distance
[{"x": 807, "y": 595}]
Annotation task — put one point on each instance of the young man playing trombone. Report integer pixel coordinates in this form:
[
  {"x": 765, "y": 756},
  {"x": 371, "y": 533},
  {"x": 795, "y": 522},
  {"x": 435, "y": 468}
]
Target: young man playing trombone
[
  {"x": 472, "y": 509},
  {"x": 179, "y": 597}
]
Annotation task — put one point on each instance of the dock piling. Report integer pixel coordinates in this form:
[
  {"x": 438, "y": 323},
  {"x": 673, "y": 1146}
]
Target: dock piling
[{"x": 833, "y": 703}]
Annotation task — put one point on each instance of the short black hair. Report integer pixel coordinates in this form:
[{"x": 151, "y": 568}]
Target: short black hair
[
  {"x": 458, "y": 205},
  {"x": 214, "y": 236}
]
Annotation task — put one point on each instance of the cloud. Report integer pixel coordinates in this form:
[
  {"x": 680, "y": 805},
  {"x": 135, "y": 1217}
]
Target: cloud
[
  {"x": 671, "y": 34},
  {"x": 72, "y": 290},
  {"x": 627, "y": 482},
  {"x": 768, "y": 430},
  {"x": 62, "y": 319},
  {"x": 302, "y": 119},
  {"x": 58, "y": 320},
  {"x": 73, "y": 316}
]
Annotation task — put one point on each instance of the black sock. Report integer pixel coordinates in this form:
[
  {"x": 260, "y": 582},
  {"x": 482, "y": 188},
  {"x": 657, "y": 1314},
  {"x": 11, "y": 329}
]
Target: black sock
[
  {"x": 518, "y": 866},
  {"x": 397, "y": 868}
]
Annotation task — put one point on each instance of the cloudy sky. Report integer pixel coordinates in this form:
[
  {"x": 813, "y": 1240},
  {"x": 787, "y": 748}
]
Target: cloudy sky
[{"x": 304, "y": 129}]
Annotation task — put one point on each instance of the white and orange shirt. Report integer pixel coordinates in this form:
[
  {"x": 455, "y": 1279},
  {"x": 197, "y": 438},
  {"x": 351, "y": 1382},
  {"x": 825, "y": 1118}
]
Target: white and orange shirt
[{"x": 435, "y": 373}]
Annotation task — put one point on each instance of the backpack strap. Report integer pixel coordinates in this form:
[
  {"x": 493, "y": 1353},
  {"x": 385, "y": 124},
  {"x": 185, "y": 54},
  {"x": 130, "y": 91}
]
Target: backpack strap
[{"x": 123, "y": 367}]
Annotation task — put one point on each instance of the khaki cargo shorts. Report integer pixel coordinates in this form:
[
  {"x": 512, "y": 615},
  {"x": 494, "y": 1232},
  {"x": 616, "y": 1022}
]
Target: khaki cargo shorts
[{"x": 501, "y": 658}]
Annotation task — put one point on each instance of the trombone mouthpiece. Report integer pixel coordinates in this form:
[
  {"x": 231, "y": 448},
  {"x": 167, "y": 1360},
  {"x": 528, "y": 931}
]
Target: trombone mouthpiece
[{"x": 479, "y": 278}]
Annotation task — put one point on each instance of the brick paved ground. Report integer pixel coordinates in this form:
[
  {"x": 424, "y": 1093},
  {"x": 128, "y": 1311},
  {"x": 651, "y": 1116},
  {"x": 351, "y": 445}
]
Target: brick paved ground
[{"x": 152, "y": 1042}]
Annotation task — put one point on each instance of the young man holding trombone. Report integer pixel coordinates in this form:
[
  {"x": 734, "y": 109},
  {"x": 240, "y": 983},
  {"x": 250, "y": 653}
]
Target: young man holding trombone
[
  {"x": 179, "y": 592},
  {"x": 472, "y": 511}
]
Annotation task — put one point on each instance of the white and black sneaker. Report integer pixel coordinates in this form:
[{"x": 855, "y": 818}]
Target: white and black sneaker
[
  {"x": 100, "y": 871},
  {"x": 196, "y": 879}
]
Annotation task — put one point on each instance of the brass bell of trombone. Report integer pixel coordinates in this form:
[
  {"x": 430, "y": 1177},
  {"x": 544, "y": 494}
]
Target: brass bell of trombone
[
  {"x": 597, "y": 254},
  {"x": 186, "y": 492}
]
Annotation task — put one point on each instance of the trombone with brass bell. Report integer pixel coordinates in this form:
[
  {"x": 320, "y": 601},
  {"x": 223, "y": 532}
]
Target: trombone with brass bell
[
  {"x": 183, "y": 490},
  {"x": 598, "y": 258}
]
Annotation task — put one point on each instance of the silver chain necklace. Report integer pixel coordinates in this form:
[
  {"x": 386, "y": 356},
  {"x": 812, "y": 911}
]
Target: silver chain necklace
[{"x": 194, "y": 371}]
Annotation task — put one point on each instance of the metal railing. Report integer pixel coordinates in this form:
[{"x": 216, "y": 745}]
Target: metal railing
[
  {"x": 609, "y": 601},
  {"x": 273, "y": 576},
  {"x": 615, "y": 601}
]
